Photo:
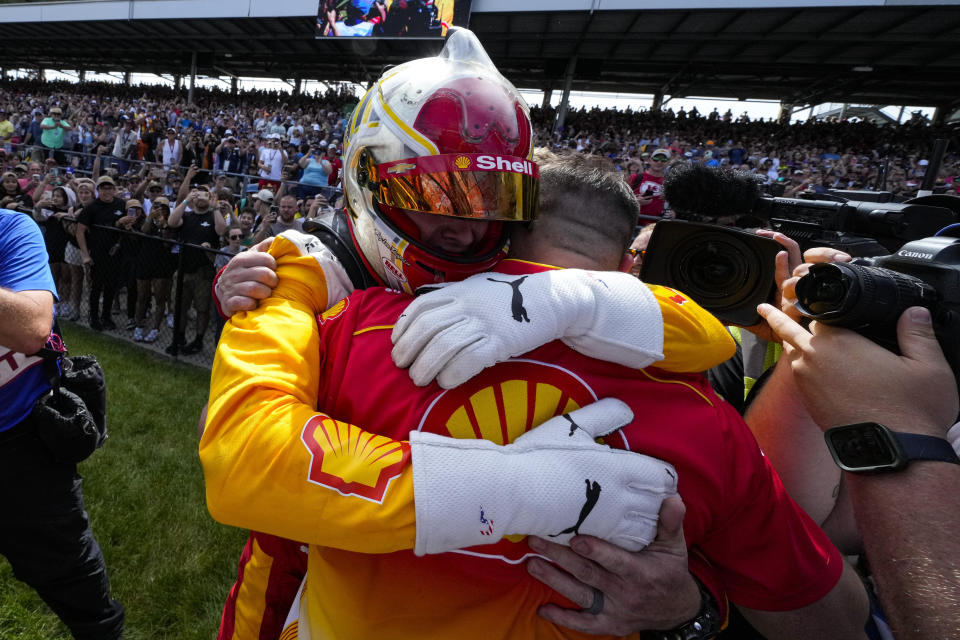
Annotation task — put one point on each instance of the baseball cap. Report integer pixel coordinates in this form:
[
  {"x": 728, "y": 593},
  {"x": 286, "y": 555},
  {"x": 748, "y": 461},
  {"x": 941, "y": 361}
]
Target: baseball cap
[
  {"x": 105, "y": 180},
  {"x": 228, "y": 132},
  {"x": 332, "y": 146},
  {"x": 661, "y": 152},
  {"x": 923, "y": 163},
  {"x": 154, "y": 185},
  {"x": 56, "y": 110},
  {"x": 161, "y": 200},
  {"x": 133, "y": 202},
  {"x": 264, "y": 195}
]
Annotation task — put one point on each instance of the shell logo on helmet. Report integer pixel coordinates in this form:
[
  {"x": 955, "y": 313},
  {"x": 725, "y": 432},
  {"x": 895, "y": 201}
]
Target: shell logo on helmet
[{"x": 463, "y": 162}]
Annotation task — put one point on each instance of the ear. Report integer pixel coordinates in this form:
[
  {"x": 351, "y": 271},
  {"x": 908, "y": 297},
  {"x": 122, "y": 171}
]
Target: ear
[{"x": 625, "y": 263}]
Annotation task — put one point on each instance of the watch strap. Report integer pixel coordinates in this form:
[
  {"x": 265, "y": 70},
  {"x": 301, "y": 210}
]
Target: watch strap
[
  {"x": 703, "y": 626},
  {"x": 923, "y": 447}
]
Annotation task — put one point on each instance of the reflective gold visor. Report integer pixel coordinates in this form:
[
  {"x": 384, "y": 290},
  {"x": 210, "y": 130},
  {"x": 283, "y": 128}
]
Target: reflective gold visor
[{"x": 465, "y": 185}]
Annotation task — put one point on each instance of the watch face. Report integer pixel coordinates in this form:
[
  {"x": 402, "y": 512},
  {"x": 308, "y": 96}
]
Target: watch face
[{"x": 864, "y": 447}]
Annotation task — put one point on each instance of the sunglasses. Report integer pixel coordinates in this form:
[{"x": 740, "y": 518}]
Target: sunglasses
[
  {"x": 635, "y": 253},
  {"x": 236, "y": 237},
  {"x": 659, "y": 158}
]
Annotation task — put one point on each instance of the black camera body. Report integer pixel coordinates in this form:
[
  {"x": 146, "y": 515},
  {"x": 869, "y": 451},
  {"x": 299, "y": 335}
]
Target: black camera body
[
  {"x": 727, "y": 271},
  {"x": 859, "y": 228},
  {"x": 868, "y": 295}
]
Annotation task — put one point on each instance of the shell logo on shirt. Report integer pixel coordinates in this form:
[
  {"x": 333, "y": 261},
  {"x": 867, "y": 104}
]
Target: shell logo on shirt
[
  {"x": 335, "y": 311},
  {"x": 504, "y": 402},
  {"x": 352, "y": 461},
  {"x": 500, "y": 405}
]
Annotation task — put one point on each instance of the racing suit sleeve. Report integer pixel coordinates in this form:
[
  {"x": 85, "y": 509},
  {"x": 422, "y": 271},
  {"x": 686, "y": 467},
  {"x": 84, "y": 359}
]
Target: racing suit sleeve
[
  {"x": 265, "y": 443},
  {"x": 693, "y": 339}
]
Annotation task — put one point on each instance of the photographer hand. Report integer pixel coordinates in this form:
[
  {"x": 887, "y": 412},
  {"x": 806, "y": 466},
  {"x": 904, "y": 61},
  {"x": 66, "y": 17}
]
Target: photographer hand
[
  {"x": 845, "y": 378},
  {"x": 816, "y": 255}
]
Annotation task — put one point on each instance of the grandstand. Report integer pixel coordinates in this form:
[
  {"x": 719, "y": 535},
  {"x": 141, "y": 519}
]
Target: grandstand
[{"x": 864, "y": 54}]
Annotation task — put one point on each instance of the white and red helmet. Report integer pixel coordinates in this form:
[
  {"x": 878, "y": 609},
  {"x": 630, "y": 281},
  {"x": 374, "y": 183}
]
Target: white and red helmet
[{"x": 446, "y": 136}]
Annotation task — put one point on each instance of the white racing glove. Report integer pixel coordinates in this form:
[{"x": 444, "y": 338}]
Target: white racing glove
[
  {"x": 953, "y": 437},
  {"x": 554, "y": 481},
  {"x": 457, "y": 329}
]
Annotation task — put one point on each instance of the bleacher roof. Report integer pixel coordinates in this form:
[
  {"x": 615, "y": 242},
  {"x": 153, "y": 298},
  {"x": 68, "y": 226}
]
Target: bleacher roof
[{"x": 868, "y": 52}]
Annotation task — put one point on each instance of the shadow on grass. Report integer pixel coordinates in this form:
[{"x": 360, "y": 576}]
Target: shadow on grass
[{"x": 170, "y": 564}]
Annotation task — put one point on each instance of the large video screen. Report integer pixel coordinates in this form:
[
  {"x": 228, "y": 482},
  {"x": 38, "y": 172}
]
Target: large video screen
[{"x": 384, "y": 18}]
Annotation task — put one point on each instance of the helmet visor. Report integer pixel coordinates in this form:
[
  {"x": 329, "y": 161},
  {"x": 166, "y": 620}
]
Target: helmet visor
[{"x": 465, "y": 185}]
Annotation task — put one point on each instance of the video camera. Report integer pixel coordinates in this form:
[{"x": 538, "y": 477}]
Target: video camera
[
  {"x": 868, "y": 295},
  {"x": 729, "y": 271}
]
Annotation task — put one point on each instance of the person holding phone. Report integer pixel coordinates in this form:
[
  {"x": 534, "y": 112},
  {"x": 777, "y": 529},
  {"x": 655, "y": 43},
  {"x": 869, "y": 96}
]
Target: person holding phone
[
  {"x": 201, "y": 223},
  {"x": 316, "y": 172}
]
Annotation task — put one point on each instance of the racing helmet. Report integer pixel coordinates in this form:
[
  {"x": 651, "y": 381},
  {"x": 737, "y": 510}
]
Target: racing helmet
[{"x": 444, "y": 136}]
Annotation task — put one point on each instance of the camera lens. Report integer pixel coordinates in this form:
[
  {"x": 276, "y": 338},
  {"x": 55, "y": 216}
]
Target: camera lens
[
  {"x": 856, "y": 296},
  {"x": 718, "y": 271}
]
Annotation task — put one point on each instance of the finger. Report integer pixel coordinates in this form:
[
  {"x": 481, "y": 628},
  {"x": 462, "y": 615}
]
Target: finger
[
  {"x": 786, "y": 329},
  {"x": 916, "y": 337},
  {"x": 252, "y": 260},
  {"x": 465, "y": 365},
  {"x": 238, "y": 303},
  {"x": 251, "y": 289},
  {"x": 439, "y": 352},
  {"x": 802, "y": 270},
  {"x": 560, "y": 581},
  {"x": 416, "y": 319},
  {"x": 793, "y": 249},
  {"x": 781, "y": 268},
  {"x": 587, "y": 573},
  {"x": 260, "y": 246},
  {"x": 572, "y": 618},
  {"x": 788, "y": 290},
  {"x": 670, "y": 527},
  {"x": 409, "y": 345},
  {"x": 602, "y": 417},
  {"x": 818, "y": 255}
]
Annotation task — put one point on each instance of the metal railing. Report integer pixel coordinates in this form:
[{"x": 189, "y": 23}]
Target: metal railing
[{"x": 154, "y": 267}]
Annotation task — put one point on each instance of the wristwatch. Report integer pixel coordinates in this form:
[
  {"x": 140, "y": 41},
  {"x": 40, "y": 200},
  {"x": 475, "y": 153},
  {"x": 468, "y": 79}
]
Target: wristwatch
[
  {"x": 870, "y": 447},
  {"x": 703, "y": 626}
]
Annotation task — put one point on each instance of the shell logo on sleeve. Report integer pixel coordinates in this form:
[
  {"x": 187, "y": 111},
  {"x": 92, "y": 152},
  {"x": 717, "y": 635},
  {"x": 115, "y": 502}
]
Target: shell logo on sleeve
[{"x": 352, "y": 461}]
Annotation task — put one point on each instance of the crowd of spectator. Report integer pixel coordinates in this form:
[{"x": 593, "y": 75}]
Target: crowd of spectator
[
  {"x": 91, "y": 160},
  {"x": 815, "y": 154}
]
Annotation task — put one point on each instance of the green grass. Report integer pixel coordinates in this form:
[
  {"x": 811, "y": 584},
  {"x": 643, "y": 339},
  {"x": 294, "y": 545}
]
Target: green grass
[{"x": 169, "y": 563}]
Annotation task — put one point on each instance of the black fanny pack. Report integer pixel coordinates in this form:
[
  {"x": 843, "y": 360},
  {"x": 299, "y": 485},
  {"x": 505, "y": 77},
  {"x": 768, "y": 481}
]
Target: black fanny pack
[{"x": 71, "y": 418}]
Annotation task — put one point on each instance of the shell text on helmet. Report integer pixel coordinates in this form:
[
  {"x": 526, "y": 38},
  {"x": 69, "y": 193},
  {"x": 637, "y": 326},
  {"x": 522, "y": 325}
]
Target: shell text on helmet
[
  {"x": 512, "y": 164},
  {"x": 463, "y": 162}
]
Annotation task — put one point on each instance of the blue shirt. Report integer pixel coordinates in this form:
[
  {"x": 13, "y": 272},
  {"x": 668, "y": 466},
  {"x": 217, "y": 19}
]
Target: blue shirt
[{"x": 23, "y": 267}]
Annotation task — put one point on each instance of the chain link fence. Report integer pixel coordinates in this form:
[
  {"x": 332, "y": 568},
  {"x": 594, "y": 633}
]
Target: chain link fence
[{"x": 149, "y": 288}]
